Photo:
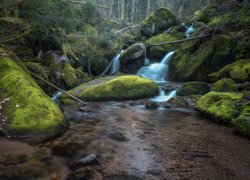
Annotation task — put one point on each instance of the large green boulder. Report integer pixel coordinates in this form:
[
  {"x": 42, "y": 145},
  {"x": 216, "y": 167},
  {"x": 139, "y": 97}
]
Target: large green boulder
[
  {"x": 239, "y": 71},
  {"x": 29, "y": 110},
  {"x": 242, "y": 123},
  {"x": 196, "y": 60},
  {"x": 225, "y": 85},
  {"x": 114, "y": 88},
  {"x": 133, "y": 58},
  {"x": 218, "y": 105},
  {"x": 159, "y": 21},
  {"x": 193, "y": 88}
]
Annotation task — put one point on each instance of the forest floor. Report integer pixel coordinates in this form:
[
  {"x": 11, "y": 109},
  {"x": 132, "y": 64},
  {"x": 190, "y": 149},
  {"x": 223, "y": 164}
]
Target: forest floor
[{"x": 133, "y": 143}]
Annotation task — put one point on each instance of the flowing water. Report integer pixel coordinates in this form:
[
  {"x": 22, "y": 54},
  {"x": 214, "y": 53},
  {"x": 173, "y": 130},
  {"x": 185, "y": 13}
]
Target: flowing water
[
  {"x": 116, "y": 63},
  {"x": 189, "y": 30},
  {"x": 133, "y": 143},
  {"x": 158, "y": 72}
]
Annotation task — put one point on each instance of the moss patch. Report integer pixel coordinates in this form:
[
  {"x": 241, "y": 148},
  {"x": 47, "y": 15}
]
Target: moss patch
[
  {"x": 69, "y": 76},
  {"x": 115, "y": 88},
  {"x": 225, "y": 85},
  {"x": 218, "y": 105},
  {"x": 30, "y": 111}
]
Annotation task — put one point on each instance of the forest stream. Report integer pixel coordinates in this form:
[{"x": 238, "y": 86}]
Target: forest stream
[{"x": 127, "y": 140}]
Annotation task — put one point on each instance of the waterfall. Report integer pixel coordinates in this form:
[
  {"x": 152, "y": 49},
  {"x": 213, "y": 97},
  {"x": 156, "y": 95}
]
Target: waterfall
[
  {"x": 158, "y": 72},
  {"x": 116, "y": 63}
]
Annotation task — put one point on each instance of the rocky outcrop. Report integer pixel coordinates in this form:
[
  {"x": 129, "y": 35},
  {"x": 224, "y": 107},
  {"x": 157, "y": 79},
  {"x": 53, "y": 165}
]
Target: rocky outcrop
[
  {"x": 133, "y": 58},
  {"x": 114, "y": 88},
  {"x": 28, "y": 111},
  {"x": 196, "y": 60},
  {"x": 158, "y": 22}
]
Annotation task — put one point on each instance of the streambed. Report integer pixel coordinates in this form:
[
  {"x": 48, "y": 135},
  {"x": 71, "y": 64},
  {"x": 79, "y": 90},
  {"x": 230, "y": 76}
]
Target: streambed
[{"x": 132, "y": 142}]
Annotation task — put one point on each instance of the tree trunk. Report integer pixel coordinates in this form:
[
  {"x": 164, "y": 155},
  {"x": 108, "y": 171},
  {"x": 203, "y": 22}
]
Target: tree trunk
[
  {"x": 133, "y": 11},
  {"x": 4, "y": 8},
  {"x": 148, "y": 8},
  {"x": 111, "y": 8}
]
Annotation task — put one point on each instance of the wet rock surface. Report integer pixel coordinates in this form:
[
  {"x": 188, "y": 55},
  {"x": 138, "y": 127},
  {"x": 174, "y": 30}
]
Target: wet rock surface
[{"x": 162, "y": 144}]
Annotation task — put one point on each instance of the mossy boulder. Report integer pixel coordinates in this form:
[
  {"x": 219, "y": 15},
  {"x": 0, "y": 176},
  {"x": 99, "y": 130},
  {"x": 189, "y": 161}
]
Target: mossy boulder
[
  {"x": 194, "y": 61},
  {"x": 69, "y": 76},
  {"x": 133, "y": 58},
  {"x": 193, "y": 88},
  {"x": 114, "y": 88},
  {"x": 220, "y": 106},
  {"x": 207, "y": 14},
  {"x": 158, "y": 52},
  {"x": 239, "y": 71},
  {"x": 159, "y": 21},
  {"x": 242, "y": 123},
  {"x": 29, "y": 111},
  {"x": 225, "y": 85}
]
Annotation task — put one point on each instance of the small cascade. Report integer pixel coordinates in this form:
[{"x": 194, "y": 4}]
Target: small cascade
[
  {"x": 157, "y": 71},
  {"x": 56, "y": 95},
  {"x": 116, "y": 63},
  {"x": 189, "y": 30},
  {"x": 163, "y": 97}
]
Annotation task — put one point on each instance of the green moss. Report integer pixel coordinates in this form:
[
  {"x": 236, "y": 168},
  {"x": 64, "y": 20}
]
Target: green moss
[
  {"x": 238, "y": 71},
  {"x": 69, "y": 76},
  {"x": 115, "y": 88},
  {"x": 242, "y": 123},
  {"x": 90, "y": 30},
  {"x": 218, "y": 105},
  {"x": 193, "y": 88},
  {"x": 196, "y": 60},
  {"x": 30, "y": 111},
  {"x": 225, "y": 85}
]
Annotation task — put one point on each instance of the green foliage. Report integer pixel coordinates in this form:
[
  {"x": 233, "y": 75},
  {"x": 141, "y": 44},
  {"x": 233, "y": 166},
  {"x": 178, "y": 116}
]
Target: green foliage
[{"x": 115, "y": 88}]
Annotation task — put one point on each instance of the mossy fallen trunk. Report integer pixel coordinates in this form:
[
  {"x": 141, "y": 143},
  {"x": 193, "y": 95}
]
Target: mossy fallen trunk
[{"x": 29, "y": 111}]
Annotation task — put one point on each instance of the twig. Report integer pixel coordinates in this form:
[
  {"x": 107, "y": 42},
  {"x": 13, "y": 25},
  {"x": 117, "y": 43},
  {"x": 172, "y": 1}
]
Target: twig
[{"x": 59, "y": 89}]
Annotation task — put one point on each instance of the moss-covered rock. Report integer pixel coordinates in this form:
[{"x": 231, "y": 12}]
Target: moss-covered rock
[
  {"x": 239, "y": 71},
  {"x": 193, "y": 88},
  {"x": 115, "y": 88},
  {"x": 182, "y": 101},
  {"x": 133, "y": 58},
  {"x": 69, "y": 76},
  {"x": 225, "y": 85},
  {"x": 157, "y": 52},
  {"x": 242, "y": 123},
  {"x": 29, "y": 110},
  {"x": 218, "y": 105},
  {"x": 196, "y": 60},
  {"x": 159, "y": 21},
  {"x": 207, "y": 14}
]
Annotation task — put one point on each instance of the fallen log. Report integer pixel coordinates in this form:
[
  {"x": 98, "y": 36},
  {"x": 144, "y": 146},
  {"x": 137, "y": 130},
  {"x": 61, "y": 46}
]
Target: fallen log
[{"x": 59, "y": 89}]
